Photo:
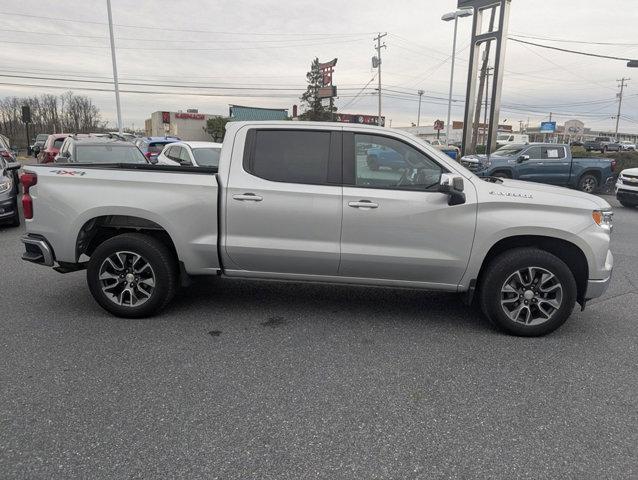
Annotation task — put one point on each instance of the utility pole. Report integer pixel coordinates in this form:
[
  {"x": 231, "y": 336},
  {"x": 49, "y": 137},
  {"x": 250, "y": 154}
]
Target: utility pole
[
  {"x": 115, "y": 82},
  {"x": 418, "y": 118},
  {"x": 378, "y": 49},
  {"x": 622, "y": 89}
]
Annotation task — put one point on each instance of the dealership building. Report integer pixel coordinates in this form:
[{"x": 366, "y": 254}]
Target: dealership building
[
  {"x": 188, "y": 125},
  {"x": 191, "y": 125}
]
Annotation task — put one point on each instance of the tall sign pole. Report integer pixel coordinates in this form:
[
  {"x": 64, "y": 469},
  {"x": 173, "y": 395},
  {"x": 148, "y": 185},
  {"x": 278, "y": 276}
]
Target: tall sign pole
[
  {"x": 418, "y": 117},
  {"x": 378, "y": 49},
  {"x": 498, "y": 35},
  {"x": 115, "y": 82}
]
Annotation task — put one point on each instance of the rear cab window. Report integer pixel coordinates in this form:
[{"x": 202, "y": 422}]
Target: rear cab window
[{"x": 294, "y": 156}]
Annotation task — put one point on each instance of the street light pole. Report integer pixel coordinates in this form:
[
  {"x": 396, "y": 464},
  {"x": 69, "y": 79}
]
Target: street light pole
[
  {"x": 115, "y": 82},
  {"x": 446, "y": 18},
  {"x": 418, "y": 118}
]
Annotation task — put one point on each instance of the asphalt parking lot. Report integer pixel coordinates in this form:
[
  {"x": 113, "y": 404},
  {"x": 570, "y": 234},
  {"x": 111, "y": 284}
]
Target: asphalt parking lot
[{"x": 241, "y": 379}]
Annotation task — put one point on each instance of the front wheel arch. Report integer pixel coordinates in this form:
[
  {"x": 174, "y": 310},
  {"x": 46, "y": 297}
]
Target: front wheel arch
[{"x": 570, "y": 253}]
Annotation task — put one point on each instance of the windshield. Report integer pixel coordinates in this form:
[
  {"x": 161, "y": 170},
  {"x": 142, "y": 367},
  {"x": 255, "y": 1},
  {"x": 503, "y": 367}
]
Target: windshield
[
  {"x": 503, "y": 137},
  {"x": 108, "y": 154},
  {"x": 207, "y": 157},
  {"x": 42, "y": 137},
  {"x": 508, "y": 151}
]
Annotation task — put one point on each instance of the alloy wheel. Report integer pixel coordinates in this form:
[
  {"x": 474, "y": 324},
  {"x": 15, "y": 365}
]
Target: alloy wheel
[
  {"x": 531, "y": 296},
  {"x": 127, "y": 279}
]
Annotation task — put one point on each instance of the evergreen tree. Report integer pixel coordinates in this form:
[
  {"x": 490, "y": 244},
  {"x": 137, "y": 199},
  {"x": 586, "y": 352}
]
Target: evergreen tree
[{"x": 314, "y": 109}]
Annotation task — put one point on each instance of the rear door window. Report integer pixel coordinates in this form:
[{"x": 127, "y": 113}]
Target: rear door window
[{"x": 292, "y": 156}]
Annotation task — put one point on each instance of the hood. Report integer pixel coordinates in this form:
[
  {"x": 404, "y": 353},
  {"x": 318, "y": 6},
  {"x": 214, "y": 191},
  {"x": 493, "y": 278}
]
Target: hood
[
  {"x": 550, "y": 194},
  {"x": 630, "y": 171}
]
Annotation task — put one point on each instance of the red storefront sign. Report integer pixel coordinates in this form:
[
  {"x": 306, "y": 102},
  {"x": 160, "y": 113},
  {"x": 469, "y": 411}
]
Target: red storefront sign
[{"x": 192, "y": 116}]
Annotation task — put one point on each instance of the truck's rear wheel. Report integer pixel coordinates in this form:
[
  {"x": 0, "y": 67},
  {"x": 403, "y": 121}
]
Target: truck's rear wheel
[
  {"x": 528, "y": 292},
  {"x": 588, "y": 183},
  {"x": 132, "y": 275}
]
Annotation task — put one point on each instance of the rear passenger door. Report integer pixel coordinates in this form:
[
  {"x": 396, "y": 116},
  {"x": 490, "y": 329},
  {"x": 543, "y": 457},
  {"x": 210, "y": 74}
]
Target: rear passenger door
[
  {"x": 555, "y": 166},
  {"x": 283, "y": 203}
]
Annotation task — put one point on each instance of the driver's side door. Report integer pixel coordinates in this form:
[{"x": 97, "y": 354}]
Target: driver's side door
[{"x": 396, "y": 225}]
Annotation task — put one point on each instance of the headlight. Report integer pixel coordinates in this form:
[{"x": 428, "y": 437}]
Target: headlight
[
  {"x": 6, "y": 185},
  {"x": 603, "y": 218}
]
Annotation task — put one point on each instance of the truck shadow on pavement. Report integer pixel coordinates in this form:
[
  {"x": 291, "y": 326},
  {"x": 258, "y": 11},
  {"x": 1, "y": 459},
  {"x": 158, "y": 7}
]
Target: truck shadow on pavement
[{"x": 279, "y": 305}]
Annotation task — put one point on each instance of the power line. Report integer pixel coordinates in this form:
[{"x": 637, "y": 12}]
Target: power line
[
  {"x": 189, "y": 30},
  {"x": 184, "y": 49},
  {"x": 351, "y": 102},
  {"x": 154, "y": 40},
  {"x": 583, "y": 42},
  {"x": 571, "y": 51}
]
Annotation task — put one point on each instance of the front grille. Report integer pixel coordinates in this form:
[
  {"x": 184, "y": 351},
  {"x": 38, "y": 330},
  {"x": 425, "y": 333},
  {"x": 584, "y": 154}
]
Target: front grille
[
  {"x": 473, "y": 166},
  {"x": 630, "y": 180}
]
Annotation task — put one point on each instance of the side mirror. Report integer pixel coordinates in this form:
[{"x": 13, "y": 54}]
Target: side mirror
[
  {"x": 12, "y": 166},
  {"x": 453, "y": 186},
  {"x": 523, "y": 158}
]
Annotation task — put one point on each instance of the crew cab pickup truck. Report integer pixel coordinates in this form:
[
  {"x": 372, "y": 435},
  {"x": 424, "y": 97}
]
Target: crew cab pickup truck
[
  {"x": 298, "y": 201},
  {"x": 545, "y": 163}
]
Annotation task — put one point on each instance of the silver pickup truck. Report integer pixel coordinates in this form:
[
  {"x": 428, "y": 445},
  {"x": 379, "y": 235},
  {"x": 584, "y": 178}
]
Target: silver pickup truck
[{"x": 298, "y": 201}]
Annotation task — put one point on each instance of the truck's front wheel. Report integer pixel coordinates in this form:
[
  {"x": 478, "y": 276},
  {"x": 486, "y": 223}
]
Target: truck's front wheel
[
  {"x": 528, "y": 292},
  {"x": 132, "y": 275}
]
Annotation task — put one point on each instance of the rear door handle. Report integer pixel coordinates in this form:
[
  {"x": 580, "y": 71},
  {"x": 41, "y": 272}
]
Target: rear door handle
[
  {"x": 250, "y": 197},
  {"x": 363, "y": 204}
]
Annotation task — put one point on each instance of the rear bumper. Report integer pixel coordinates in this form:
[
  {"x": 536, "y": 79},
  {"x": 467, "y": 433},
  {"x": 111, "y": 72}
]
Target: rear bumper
[{"x": 37, "y": 250}]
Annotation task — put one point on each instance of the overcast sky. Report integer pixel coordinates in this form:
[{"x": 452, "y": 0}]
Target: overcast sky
[{"x": 270, "y": 43}]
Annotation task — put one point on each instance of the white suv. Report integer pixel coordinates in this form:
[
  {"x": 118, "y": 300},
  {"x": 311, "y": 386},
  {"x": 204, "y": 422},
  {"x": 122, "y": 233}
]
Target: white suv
[{"x": 196, "y": 154}]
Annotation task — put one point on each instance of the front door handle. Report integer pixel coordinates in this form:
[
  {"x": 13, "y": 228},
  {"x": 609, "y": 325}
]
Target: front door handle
[
  {"x": 363, "y": 204},
  {"x": 250, "y": 197}
]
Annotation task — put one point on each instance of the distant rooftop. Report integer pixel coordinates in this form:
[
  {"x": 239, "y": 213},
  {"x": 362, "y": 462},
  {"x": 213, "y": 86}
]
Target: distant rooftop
[{"x": 241, "y": 113}]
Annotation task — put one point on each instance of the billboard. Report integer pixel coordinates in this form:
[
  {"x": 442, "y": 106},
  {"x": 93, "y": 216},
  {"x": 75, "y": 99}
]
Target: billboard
[{"x": 548, "y": 127}]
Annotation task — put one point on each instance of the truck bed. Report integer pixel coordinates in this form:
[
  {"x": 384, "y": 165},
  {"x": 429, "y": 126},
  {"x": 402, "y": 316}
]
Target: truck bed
[{"x": 183, "y": 201}]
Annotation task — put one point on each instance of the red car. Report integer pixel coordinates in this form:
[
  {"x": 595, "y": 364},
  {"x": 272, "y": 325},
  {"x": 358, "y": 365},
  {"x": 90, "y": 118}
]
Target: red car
[{"x": 52, "y": 147}]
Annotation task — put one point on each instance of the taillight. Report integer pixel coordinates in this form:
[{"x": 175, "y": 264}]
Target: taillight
[
  {"x": 5, "y": 154},
  {"x": 28, "y": 180},
  {"x": 148, "y": 155}
]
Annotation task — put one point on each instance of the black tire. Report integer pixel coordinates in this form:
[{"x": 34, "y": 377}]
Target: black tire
[
  {"x": 373, "y": 163},
  {"x": 154, "y": 253},
  {"x": 627, "y": 204},
  {"x": 588, "y": 183},
  {"x": 502, "y": 175},
  {"x": 507, "y": 264}
]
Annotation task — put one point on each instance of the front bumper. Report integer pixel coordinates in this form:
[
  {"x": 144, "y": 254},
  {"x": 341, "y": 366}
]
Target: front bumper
[
  {"x": 7, "y": 208},
  {"x": 597, "y": 287}
]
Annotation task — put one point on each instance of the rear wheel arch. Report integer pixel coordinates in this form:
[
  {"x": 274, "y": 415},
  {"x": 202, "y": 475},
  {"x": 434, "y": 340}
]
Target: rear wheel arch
[
  {"x": 570, "y": 253},
  {"x": 97, "y": 230}
]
